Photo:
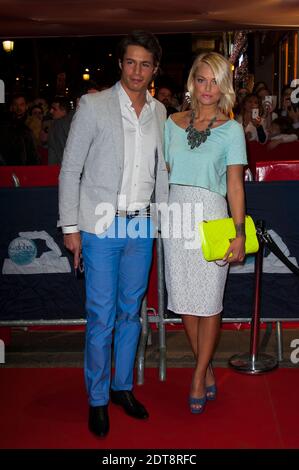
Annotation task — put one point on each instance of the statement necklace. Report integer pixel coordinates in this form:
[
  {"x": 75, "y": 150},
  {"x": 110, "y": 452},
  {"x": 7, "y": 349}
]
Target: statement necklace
[{"x": 195, "y": 137}]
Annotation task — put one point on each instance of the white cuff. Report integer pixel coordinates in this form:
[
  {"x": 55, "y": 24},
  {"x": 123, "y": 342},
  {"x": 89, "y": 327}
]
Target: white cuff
[{"x": 70, "y": 229}]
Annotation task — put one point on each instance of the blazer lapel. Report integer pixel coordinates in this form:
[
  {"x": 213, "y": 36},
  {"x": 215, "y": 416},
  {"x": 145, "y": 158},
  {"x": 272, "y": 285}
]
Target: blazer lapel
[
  {"x": 159, "y": 124},
  {"x": 116, "y": 125}
]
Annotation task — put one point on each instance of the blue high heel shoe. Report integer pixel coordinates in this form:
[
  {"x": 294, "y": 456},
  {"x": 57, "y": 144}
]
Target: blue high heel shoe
[
  {"x": 211, "y": 392},
  {"x": 201, "y": 402}
]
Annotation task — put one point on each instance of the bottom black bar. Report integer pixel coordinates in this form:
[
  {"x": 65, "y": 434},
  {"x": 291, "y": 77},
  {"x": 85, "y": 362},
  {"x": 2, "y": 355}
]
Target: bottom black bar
[{"x": 137, "y": 458}]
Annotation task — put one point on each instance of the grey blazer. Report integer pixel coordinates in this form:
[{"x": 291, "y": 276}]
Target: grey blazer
[{"x": 95, "y": 149}]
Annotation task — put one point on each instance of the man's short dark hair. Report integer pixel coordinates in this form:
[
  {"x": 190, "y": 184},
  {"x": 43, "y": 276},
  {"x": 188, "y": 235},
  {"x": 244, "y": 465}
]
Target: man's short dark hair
[
  {"x": 89, "y": 85},
  {"x": 166, "y": 85},
  {"x": 143, "y": 39},
  {"x": 16, "y": 96},
  {"x": 63, "y": 102}
]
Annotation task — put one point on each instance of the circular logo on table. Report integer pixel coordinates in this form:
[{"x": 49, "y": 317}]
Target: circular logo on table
[{"x": 22, "y": 251}]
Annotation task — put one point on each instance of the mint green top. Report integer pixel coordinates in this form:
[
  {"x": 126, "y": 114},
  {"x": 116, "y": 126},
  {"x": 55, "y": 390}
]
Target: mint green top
[{"x": 206, "y": 165}]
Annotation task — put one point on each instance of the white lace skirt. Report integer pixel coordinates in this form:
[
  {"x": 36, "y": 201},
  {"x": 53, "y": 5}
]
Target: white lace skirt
[{"x": 194, "y": 285}]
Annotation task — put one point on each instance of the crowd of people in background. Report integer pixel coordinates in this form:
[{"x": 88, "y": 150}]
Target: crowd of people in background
[
  {"x": 35, "y": 132},
  {"x": 262, "y": 120}
]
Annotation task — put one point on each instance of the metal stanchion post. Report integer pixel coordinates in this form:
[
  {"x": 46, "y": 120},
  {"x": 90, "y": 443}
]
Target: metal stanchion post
[
  {"x": 142, "y": 343},
  {"x": 161, "y": 310},
  {"x": 279, "y": 341},
  {"x": 255, "y": 362}
]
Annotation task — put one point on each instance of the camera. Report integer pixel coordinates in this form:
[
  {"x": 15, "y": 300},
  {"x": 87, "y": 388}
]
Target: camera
[
  {"x": 269, "y": 103},
  {"x": 255, "y": 113}
]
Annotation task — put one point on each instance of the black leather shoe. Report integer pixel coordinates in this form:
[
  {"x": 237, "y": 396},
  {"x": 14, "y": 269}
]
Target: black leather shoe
[
  {"x": 98, "y": 422},
  {"x": 132, "y": 407}
]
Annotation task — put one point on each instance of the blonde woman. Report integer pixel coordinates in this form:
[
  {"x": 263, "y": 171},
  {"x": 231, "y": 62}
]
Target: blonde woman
[{"x": 205, "y": 152}]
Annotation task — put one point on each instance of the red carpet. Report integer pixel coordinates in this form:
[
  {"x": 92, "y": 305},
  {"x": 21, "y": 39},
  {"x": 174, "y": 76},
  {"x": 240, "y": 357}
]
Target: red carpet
[{"x": 47, "y": 408}]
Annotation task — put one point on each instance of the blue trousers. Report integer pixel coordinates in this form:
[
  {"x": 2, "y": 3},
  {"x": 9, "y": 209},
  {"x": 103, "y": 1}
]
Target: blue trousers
[{"x": 116, "y": 274}]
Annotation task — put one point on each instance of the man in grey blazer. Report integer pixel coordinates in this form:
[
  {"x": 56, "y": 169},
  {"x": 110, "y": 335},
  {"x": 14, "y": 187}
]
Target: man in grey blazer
[{"x": 112, "y": 169}]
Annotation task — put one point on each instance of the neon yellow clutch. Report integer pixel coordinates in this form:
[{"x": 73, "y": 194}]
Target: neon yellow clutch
[{"x": 216, "y": 235}]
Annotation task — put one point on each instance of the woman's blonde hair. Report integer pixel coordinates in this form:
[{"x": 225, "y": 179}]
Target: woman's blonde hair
[{"x": 222, "y": 71}]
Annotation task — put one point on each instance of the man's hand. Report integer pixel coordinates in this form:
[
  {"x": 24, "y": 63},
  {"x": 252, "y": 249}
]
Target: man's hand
[
  {"x": 256, "y": 122},
  {"x": 72, "y": 241}
]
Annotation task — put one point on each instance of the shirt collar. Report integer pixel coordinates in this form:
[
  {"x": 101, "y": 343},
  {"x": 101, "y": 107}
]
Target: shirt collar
[{"x": 125, "y": 100}]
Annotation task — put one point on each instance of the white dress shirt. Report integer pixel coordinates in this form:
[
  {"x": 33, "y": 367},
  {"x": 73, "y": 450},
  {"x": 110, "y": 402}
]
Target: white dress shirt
[{"x": 139, "y": 156}]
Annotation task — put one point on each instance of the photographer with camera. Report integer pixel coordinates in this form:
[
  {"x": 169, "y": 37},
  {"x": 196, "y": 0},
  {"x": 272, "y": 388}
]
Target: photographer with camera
[
  {"x": 268, "y": 106},
  {"x": 251, "y": 118}
]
